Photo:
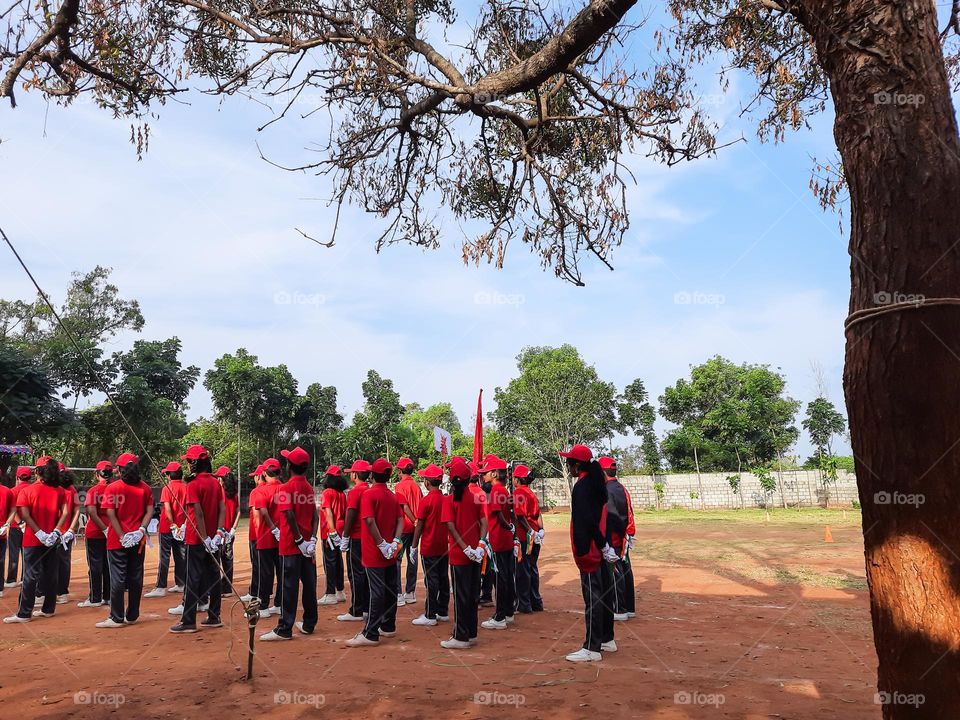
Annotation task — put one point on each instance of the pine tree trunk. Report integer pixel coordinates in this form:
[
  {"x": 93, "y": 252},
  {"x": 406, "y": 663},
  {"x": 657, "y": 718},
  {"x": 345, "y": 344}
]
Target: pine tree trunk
[{"x": 897, "y": 134}]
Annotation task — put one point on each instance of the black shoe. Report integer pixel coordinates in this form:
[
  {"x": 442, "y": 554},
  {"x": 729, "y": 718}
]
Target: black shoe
[
  {"x": 180, "y": 628},
  {"x": 212, "y": 622}
]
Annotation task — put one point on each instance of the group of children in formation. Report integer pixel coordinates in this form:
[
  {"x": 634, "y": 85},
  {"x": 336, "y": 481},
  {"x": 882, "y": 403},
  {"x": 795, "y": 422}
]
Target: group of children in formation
[{"x": 478, "y": 545}]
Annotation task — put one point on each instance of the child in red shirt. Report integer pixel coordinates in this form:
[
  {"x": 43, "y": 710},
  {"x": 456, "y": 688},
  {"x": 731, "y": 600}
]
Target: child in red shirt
[
  {"x": 333, "y": 507},
  {"x": 15, "y": 533},
  {"x": 463, "y": 513},
  {"x": 228, "y": 481},
  {"x": 350, "y": 543},
  {"x": 502, "y": 535},
  {"x": 410, "y": 495},
  {"x": 430, "y": 539},
  {"x": 95, "y": 538},
  {"x": 382, "y": 525},
  {"x": 68, "y": 529},
  {"x": 526, "y": 509}
]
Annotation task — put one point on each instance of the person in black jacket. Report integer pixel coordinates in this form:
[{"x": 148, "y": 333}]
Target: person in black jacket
[{"x": 592, "y": 553}]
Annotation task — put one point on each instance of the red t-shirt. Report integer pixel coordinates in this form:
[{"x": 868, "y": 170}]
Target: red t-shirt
[
  {"x": 353, "y": 501},
  {"x": 130, "y": 503},
  {"x": 177, "y": 497},
  {"x": 410, "y": 494},
  {"x": 378, "y": 502},
  {"x": 71, "y": 499},
  {"x": 296, "y": 494},
  {"x": 337, "y": 502},
  {"x": 254, "y": 530},
  {"x": 465, "y": 516},
  {"x": 45, "y": 504},
  {"x": 501, "y": 539},
  {"x": 203, "y": 489},
  {"x": 433, "y": 539},
  {"x": 233, "y": 510},
  {"x": 525, "y": 504},
  {"x": 17, "y": 489},
  {"x": 631, "y": 525},
  {"x": 6, "y": 503},
  {"x": 95, "y": 499},
  {"x": 265, "y": 497}
]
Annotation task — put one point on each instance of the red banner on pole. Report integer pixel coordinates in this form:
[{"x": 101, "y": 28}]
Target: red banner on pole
[{"x": 478, "y": 431}]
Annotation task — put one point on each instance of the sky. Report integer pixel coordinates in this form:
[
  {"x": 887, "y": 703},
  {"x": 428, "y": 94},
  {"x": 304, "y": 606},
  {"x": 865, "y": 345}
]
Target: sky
[{"x": 730, "y": 255}]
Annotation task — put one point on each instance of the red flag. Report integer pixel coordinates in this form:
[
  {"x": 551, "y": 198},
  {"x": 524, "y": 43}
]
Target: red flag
[{"x": 478, "y": 431}]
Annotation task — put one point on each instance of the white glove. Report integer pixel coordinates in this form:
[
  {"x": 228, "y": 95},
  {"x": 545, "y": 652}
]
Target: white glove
[
  {"x": 68, "y": 537},
  {"x": 209, "y": 546},
  {"x": 344, "y": 544},
  {"x": 334, "y": 538},
  {"x": 475, "y": 554},
  {"x": 513, "y": 529},
  {"x": 4, "y": 529},
  {"x": 183, "y": 532},
  {"x": 52, "y": 538},
  {"x": 386, "y": 549},
  {"x": 629, "y": 542},
  {"x": 42, "y": 537},
  {"x": 413, "y": 554},
  {"x": 304, "y": 546},
  {"x": 609, "y": 554},
  {"x": 230, "y": 536},
  {"x": 311, "y": 547},
  {"x": 217, "y": 540},
  {"x": 127, "y": 540},
  {"x": 276, "y": 533}
]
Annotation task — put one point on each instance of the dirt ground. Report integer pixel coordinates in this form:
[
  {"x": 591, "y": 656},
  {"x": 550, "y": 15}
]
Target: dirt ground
[{"x": 736, "y": 619}]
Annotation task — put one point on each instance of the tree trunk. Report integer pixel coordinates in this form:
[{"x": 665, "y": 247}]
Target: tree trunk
[
  {"x": 696, "y": 462},
  {"x": 897, "y": 134}
]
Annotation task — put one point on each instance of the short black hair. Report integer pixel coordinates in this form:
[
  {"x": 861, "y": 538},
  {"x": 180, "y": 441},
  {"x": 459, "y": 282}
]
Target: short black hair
[
  {"x": 298, "y": 469},
  {"x": 363, "y": 475},
  {"x": 200, "y": 465},
  {"x": 335, "y": 482},
  {"x": 381, "y": 477}
]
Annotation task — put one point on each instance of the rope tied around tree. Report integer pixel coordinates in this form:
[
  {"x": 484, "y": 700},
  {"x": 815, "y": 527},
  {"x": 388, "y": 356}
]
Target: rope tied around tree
[{"x": 860, "y": 316}]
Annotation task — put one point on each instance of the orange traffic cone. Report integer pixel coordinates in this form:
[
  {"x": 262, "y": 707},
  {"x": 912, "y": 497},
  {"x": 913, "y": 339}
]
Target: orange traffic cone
[{"x": 827, "y": 535}]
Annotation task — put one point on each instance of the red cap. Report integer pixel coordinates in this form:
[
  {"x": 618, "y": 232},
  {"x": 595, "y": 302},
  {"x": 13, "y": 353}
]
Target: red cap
[
  {"x": 404, "y": 463},
  {"x": 63, "y": 468},
  {"x": 221, "y": 471},
  {"x": 459, "y": 468},
  {"x": 333, "y": 470},
  {"x": 258, "y": 471},
  {"x": 171, "y": 467},
  {"x": 474, "y": 467},
  {"x": 381, "y": 466},
  {"x": 196, "y": 452},
  {"x": 23, "y": 472},
  {"x": 607, "y": 462},
  {"x": 44, "y": 460},
  {"x": 360, "y": 466},
  {"x": 271, "y": 464},
  {"x": 521, "y": 471},
  {"x": 104, "y": 465},
  {"x": 297, "y": 456},
  {"x": 430, "y": 471},
  {"x": 579, "y": 452},
  {"x": 492, "y": 462},
  {"x": 126, "y": 459}
]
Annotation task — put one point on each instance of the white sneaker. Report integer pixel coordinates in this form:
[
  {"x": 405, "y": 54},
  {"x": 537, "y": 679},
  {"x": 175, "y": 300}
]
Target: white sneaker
[
  {"x": 88, "y": 603},
  {"x": 341, "y": 596},
  {"x": 272, "y": 636},
  {"x": 9, "y": 585},
  {"x": 400, "y": 601},
  {"x": 41, "y": 613},
  {"x": 38, "y": 601},
  {"x": 243, "y": 598},
  {"x": 621, "y": 617},
  {"x": 264, "y": 614},
  {"x": 424, "y": 620},
  {"x": 204, "y": 607},
  {"x": 493, "y": 624},
  {"x": 359, "y": 640},
  {"x": 410, "y": 597},
  {"x": 509, "y": 619},
  {"x": 388, "y": 633},
  {"x": 584, "y": 655},
  {"x": 275, "y": 610},
  {"x": 454, "y": 644},
  {"x": 632, "y": 615},
  {"x": 443, "y": 618},
  {"x": 63, "y": 599},
  {"x": 299, "y": 627},
  {"x": 347, "y": 617},
  {"x": 109, "y": 623},
  {"x": 609, "y": 646},
  {"x": 176, "y": 588},
  {"x": 15, "y": 619},
  {"x": 178, "y": 610},
  {"x": 328, "y": 600},
  {"x": 156, "y": 592}
]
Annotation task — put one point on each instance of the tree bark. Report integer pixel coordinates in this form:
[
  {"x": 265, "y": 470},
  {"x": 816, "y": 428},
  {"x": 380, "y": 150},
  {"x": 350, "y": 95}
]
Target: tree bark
[{"x": 897, "y": 134}]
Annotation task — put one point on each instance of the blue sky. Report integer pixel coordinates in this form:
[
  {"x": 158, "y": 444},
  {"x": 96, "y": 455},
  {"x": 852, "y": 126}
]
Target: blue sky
[{"x": 201, "y": 230}]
